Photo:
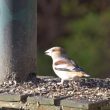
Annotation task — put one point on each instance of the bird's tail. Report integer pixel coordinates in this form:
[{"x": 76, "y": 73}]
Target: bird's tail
[
  {"x": 82, "y": 74},
  {"x": 86, "y": 75}
]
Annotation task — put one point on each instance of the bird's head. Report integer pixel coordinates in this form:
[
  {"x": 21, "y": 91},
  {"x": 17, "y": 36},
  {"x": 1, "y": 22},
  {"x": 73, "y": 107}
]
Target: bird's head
[{"x": 55, "y": 52}]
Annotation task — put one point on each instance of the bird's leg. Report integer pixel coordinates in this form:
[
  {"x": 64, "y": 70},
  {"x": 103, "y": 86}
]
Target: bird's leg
[
  {"x": 77, "y": 81},
  {"x": 61, "y": 83}
]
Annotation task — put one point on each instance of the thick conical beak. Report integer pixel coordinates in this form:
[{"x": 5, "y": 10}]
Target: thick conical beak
[{"x": 46, "y": 52}]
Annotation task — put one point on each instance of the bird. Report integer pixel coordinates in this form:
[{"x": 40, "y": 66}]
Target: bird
[{"x": 64, "y": 67}]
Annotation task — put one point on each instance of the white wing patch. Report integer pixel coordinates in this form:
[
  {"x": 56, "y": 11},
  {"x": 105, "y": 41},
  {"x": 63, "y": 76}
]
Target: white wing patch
[{"x": 65, "y": 64}]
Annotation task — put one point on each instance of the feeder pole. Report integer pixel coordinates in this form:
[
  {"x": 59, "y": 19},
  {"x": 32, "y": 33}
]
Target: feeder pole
[{"x": 18, "y": 39}]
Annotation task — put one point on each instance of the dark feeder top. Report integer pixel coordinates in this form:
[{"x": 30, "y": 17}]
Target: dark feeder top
[{"x": 90, "y": 90}]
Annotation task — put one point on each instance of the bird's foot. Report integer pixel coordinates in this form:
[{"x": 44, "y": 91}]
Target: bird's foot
[{"x": 61, "y": 83}]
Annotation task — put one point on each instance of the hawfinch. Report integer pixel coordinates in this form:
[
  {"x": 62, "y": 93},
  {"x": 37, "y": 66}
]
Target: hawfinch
[{"x": 64, "y": 67}]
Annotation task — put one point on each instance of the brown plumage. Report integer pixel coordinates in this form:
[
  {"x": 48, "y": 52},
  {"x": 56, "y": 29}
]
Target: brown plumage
[{"x": 64, "y": 67}]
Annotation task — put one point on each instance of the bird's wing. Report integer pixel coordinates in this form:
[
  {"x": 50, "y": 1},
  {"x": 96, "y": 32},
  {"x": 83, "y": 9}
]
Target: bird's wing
[{"x": 66, "y": 65}]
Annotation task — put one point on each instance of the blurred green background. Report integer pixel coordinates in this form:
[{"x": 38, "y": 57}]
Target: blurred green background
[{"x": 82, "y": 27}]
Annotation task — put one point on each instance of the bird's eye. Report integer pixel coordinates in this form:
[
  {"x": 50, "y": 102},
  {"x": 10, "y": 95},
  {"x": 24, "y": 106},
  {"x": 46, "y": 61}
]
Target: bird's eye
[{"x": 53, "y": 50}]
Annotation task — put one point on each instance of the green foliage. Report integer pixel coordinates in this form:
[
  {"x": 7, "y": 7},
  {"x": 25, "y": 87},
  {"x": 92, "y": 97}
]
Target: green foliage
[{"x": 87, "y": 43}]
